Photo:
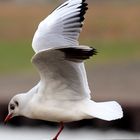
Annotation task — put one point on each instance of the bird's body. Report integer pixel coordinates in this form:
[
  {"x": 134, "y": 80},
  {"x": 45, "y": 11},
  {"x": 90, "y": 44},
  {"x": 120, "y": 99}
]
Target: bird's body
[
  {"x": 59, "y": 111},
  {"x": 62, "y": 94},
  {"x": 56, "y": 110}
]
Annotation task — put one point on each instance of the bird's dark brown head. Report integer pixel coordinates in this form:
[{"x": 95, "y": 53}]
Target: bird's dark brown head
[{"x": 13, "y": 108}]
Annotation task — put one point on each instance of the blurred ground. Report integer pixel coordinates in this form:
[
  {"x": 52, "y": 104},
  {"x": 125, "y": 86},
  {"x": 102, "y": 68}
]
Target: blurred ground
[{"x": 9, "y": 133}]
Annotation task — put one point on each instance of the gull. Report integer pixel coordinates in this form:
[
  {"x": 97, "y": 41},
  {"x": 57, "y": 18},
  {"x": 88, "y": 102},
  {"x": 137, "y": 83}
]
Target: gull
[{"x": 62, "y": 94}]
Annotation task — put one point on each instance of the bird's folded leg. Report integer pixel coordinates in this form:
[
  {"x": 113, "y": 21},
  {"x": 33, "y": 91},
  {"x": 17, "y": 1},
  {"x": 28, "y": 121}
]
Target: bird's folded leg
[{"x": 60, "y": 130}]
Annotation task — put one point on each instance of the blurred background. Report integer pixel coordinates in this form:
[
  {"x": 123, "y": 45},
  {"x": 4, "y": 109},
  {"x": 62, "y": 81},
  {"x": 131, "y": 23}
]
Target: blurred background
[{"x": 113, "y": 28}]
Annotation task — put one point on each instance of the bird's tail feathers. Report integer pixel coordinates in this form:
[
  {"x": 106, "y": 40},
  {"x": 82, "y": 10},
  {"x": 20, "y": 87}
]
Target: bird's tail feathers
[{"x": 104, "y": 110}]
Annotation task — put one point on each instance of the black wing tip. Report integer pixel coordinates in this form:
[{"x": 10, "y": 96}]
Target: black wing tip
[
  {"x": 78, "y": 53},
  {"x": 90, "y": 52},
  {"x": 93, "y": 51},
  {"x": 80, "y": 16},
  {"x": 83, "y": 9}
]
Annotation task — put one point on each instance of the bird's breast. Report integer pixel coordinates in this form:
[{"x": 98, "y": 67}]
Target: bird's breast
[{"x": 57, "y": 111}]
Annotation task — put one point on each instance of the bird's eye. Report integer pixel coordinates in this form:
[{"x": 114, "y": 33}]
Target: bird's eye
[
  {"x": 16, "y": 102},
  {"x": 12, "y": 106}
]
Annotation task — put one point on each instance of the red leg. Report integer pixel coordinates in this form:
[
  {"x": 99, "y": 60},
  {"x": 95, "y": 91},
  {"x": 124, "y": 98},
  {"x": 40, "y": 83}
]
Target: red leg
[{"x": 60, "y": 130}]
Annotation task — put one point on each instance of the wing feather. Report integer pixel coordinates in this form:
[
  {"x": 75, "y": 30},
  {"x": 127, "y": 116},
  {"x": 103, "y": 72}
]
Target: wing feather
[
  {"x": 78, "y": 54},
  {"x": 63, "y": 76},
  {"x": 62, "y": 70},
  {"x": 62, "y": 27}
]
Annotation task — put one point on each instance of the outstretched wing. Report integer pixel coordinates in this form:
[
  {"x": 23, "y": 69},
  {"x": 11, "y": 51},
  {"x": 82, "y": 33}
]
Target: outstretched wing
[
  {"x": 63, "y": 73},
  {"x": 62, "y": 27}
]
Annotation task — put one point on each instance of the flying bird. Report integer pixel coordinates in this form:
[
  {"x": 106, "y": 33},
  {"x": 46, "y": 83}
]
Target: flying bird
[{"x": 62, "y": 94}]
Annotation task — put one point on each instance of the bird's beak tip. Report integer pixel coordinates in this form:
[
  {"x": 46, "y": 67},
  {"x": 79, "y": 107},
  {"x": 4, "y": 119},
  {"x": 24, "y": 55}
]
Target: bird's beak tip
[{"x": 8, "y": 117}]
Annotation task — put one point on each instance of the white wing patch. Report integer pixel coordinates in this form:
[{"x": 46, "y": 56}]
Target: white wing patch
[{"x": 60, "y": 78}]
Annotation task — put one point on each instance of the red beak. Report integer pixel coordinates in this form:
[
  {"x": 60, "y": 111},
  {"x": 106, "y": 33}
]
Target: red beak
[{"x": 8, "y": 117}]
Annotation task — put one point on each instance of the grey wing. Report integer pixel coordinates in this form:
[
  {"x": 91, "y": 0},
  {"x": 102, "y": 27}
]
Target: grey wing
[{"x": 63, "y": 73}]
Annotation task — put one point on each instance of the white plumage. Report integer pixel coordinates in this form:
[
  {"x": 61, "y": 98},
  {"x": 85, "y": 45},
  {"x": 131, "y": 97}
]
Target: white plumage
[
  {"x": 62, "y": 94},
  {"x": 61, "y": 28}
]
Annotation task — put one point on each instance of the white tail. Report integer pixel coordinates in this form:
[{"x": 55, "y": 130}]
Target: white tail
[{"x": 104, "y": 110}]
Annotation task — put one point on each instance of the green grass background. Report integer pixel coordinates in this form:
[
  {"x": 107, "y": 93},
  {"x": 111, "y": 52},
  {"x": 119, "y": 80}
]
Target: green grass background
[{"x": 15, "y": 56}]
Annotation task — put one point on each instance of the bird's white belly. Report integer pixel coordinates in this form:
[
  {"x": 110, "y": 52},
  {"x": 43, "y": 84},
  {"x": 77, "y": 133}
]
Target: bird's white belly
[{"x": 57, "y": 111}]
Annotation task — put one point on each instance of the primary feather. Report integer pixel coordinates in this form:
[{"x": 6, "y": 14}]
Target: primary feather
[{"x": 62, "y": 27}]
